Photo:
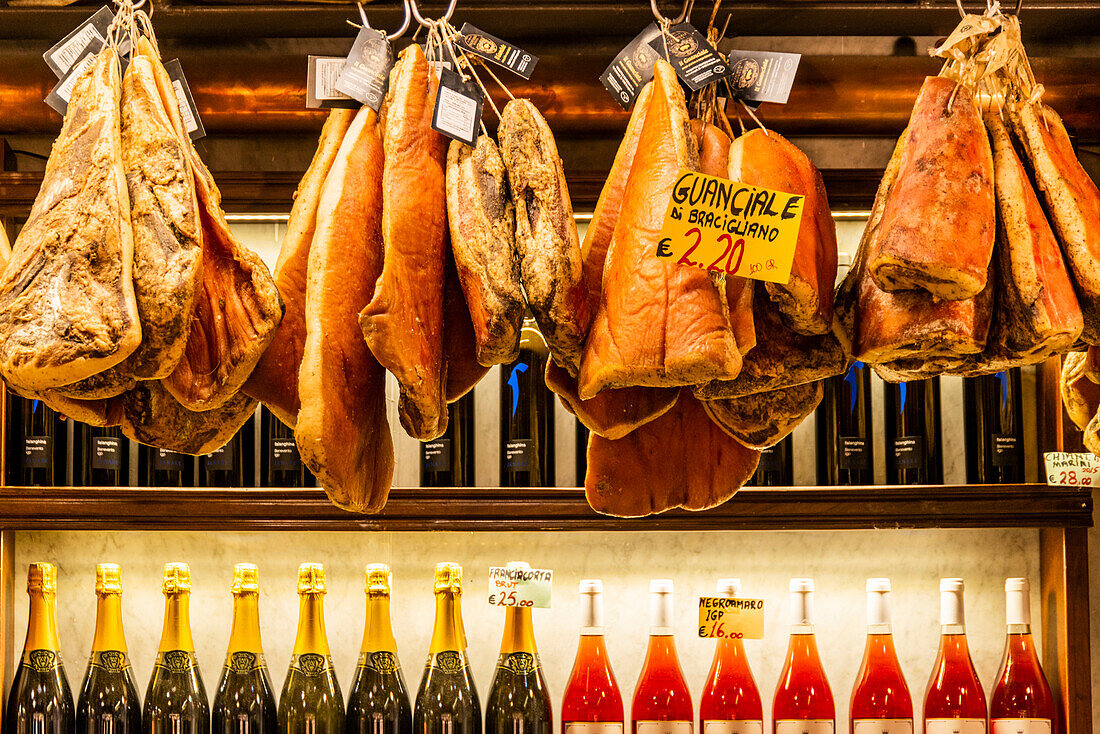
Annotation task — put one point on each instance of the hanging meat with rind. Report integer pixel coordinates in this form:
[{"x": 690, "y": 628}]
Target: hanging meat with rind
[
  {"x": 1080, "y": 388},
  {"x": 5, "y": 247},
  {"x": 937, "y": 227},
  {"x": 342, "y": 431},
  {"x": 658, "y": 324},
  {"x": 482, "y": 230},
  {"x": 67, "y": 305},
  {"x": 464, "y": 370},
  {"x": 274, "y": 381},
  {"x": 766, "y": 158},
  {"x": 681, "y": 459},
  {"x": 546, "y": 235},
  {"x": 766, "y": 418},
  {"x": 1071, "y": 197},
  {"x": 149, "y": 414},
  {"x": 403, "y": 323}
]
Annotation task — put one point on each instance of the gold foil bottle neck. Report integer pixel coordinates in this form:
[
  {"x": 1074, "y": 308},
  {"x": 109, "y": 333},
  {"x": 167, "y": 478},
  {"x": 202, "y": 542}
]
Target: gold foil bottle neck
[
  {"x": 311, "y": 578},
  {"x": 42, "y": 578},
  {"x": 108, "y": 578},
  {"x": 177, "y": 578},
  {"x": 448, "y": 577},
  {"x": 378, "y": 579},
  {"x": 246, "y": 579}
]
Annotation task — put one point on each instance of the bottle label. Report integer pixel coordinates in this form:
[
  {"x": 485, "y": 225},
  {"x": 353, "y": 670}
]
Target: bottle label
[
  {"x": 954, "y": 726},
  {"x": 437, "y": 454},
  {"x": 42, "y": 661},
  {"x": 165, "y": 460},
  {"x": 309, "y": 664},
  {"x": 1005, "y": 451},
  {"x": 244, "y": 662},
  {"x": 855, "y": 453},
  {"x": 882, "y": 726},
  {"x": 448, "y": 661},
  {"x": 909, "y": 452},
  {"x": 106, "y": 453},
  {"x": 37, "y": 451},
  {"x": 176, "y": 661},
  {"x": 733, "y": 726},
  {"x": 664, "y": 727},
  {"x": 112, "y": 661},
  {"x": 284, "y": 454},
  {"x": 380, "y": 662},
  {"x": 221, "y": 459},
  {"x": 1020, "y": 726},
  {"x": 518, "y": 663},
  {"x": 771, "y": 460},
  {"x": 519, "y": 454},
  {"x": 805, "y": 726},
  {"x": 592, "y": 727}
]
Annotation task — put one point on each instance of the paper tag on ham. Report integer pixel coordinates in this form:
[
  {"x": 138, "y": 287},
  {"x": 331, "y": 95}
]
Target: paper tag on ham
[
  {"x": 366, "y": 75},
  {"x": 58, "y": 98},
  {"x": 457, "y": 107},
  {"x": 520, "y": 587},
  {"x": 723, "y": 617},
  {"x": 321, "y": 92},
  {"x": 500, "y": 52},
  {"x": 732, "y": 228},
  {"x": 632, "y": 68},
  {"x": 1071, "y": 470},
  {"x": 189, "y": 111},
  {"x": 63, "y": 55},
  {"x": 762, "y": 76},
  {"x": 695, "y": 60}
]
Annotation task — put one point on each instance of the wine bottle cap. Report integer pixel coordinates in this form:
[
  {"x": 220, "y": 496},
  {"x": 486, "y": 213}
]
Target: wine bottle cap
[
  {"x": 378, "y": 578},
  {"x": 177, "y": 578},
  {"x": 108, "y": 578},
  {"x": 311, "y": 578},
  {"x": 729, "y": 587},
  {"x": 878, "y": 602},
  {"x": 591, "y": 606},
  {"x": 246, "y": 578},
  {"x": 660, "y": 607},
  {"x": 878, "y": 585},
  {"x": 42, "y": 577},
  {"x": 802, "y": 601},
  {"x": 591, "y": 586},
  {"x": 1017, "y": 601},
  {"x": 952, "y": 585},
  {"x": 1017, "y": 584},
  {"x": 448, "y": 577},
  {"x": 951, "y": 602},
  {"x": 801, "y": 585}
]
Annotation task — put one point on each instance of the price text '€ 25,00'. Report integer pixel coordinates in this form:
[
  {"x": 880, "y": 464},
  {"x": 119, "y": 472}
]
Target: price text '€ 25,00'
[{"x": 732, "y": 228}]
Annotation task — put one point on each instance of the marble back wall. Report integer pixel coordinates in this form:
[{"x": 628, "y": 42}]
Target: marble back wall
[{"x": 840, "y": 562}]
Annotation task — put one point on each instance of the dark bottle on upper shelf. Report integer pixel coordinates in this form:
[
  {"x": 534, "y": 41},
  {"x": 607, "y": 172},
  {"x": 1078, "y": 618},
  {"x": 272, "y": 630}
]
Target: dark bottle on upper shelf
[
  {"x": 582, "y": 453},
  {"x": 844, "y": 429},
  {"x": 101, "y": 456},
  {"x": 776, "y": 467},
  {"x": 108, "y": 699},
  {"x": 280, "y": 463},
  {"x": 39, "y": 445},
  {"x": 914, "y": 440},
  {"x": 993, "y": 424},
  {"x": 234, "y": 464},
  {"x": 245, "y": 701},
  {"x": 175, "y": 702},
  {"x": 448, "y": 461},
  {"x": 527, "y": 415},
  {"x": 159, "y": 467}
]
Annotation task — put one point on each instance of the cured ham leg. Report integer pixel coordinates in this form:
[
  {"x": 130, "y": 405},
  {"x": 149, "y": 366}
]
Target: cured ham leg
[
  {"x": 1080, "y": 387},
  {"x": 463, "y": 369},
  {"x": 766, "y": 418},
  {"x": 150, "y": 415}
]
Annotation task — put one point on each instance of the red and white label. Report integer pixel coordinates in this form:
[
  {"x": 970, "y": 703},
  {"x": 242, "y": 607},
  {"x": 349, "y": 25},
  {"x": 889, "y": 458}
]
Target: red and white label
[
  {"x": 882, "y": 726},
  {"x": 664, "y": 727},
  {"x": 733, "y": 726},
  {"x": 592, "y": 727},
  {"x": 805, "y": 726},
  {"x": 954, "y": 726},
  {"x": 1020, "y": 726}
]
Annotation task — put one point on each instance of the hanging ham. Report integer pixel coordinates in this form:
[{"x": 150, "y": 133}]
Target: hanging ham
[{"x": 764, "y": 419}]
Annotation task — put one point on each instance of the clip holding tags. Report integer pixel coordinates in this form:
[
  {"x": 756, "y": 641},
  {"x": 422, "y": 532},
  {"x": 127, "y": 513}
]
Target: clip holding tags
[
  {"x": 632, "y": 68},
  {"x": 188, "y": 110},
  {"x": 497, "y": 50},
  {"x": 692, "y": 56},
  {"x": 458, "y": 106},
  {"x": 365, "y": 75},
  {"x": 59, "y": 96},
  {"x": 321, "y": 92},
  {"x": 762, "y": 76}
]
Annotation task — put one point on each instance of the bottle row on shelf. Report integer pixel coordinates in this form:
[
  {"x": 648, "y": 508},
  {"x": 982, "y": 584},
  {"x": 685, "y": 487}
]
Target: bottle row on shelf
[{"x": 447, "y": 702}]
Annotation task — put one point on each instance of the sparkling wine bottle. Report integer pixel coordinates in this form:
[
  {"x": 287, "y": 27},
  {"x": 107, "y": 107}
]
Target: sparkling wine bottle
[
  {"x": 108, "y": 699},
  {"x": 881, "y": 703},
  {"x": 245, "y": 701},
  {"x": 592, "y": 703},
  {"x": 662, "y": 702},
  {"x": 803, "y": 702},
  {"x": 1021, "y": 702},
  {"x": 730, "y": 703},
  {"x": 954, "y": 702}
]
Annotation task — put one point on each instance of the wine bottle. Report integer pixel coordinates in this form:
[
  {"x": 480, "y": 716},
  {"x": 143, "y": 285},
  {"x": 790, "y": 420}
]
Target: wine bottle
[
  {"x": 245, "y": 700},
  {"x": 280, "y": 463},
  {"x": 845, "y": 454},
  {"x": 954, "y": 702},
  {"x": 108, "y": 700},
  {"x": 232, "y": 465},
  {"x": 582, "y": 453},
  {"x": 518, "y": 700},
  {"x": 43, "y": 446},
  {"x": 881, "y": 703},
  {"x": 803, "y": 702},
  {"x": 527, "y": 415},
  {"x": 447, "y": 701},
  {"x": 730, "y": 703},
  {"x": 40, "y": 701},
  {"x": 163, "y": 468},
  {"x": 914, "y": 441},
  {"x": 101, "y": 456},
  {"x": 776, "y": 467},
  {"x": 311, "y": 702},
  {"x": 592, "y": 703},
  {"x": 379, "y": 701},
  {"x": 993, "y": 425},
  {"x": 176, "y": 702},
  {"x": 1021, "y": 702},
  {"x": 662, "y": 702},
  {"x": 448, "y": 461}
]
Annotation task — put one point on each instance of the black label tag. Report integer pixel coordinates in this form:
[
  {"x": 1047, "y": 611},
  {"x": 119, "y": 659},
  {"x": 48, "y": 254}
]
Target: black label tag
[
  {"x": 695, "y": 60},
  {"x": 1005, "y": 450},
  {"x": 519, "y": 454},
  {"x": 436, "y": 454},
  {"x": 770, "y": 460},
  {"x": 222, "y": 459},
  {"x": 498, "y": 51},
  {"x": 762, "y": 76},
  {"x": 457, "y": 107},
  {"x": 366, "y": 73},
  {"x": 165, "y": 460},
  {"x": 632, "y": 68},
  {"x": 321, "y": 78},
  {"x": 909, "y": 452},
  {"x": 106, "y": 453},
  {"x": 855, "y": 453},
  {"x": 37, "y": 451},
  {"x": 58, "y": 98},
  {"x": 190, "y": 113},
  {"x": 88, "y": 37},
  {"x": 112, "y": 661},
  {"x": 284, "y": 455}
]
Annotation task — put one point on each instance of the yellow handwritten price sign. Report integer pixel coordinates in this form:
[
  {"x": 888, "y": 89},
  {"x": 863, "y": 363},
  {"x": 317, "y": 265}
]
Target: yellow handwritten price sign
[
  {"x": 733, "y": 228},
  {"x": 1071, "y": 469},
  {"x": 723, "y": 617}
]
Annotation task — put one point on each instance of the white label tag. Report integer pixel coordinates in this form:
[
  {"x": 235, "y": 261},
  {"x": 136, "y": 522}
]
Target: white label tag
[
  {"x": 1072, "y": 470},
  {"x": 88, "y": 37},
  {"x": 1020, "y": 726},
  {"x": 520, "y": 587},
  {"x": 954, "y": 726},
  {"x": 739, "y": 726},
  {"x": 664, "y": 727},
  {"x": 805, "y": 726},
  {"x": 592, "y": 727},
  {"x": 882, "y": 726},
  {"x": 65, "y": 88},
  {"x": 456, "y": 114},
  {"x": 325, "y": 75},
  {"x": 189, "y": 123},
  {"x": 70, "y": 51}
]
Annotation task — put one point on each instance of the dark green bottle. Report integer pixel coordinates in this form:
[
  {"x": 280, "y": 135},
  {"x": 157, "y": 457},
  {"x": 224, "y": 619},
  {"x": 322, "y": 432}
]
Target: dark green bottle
[
  {"x": 245, "y": 701},
  {"x": 519, "y": 702},
  {"x": 176, "y": 700},
  {"x": 379, "y": 701},
  {"x": 108, "y": 699},
  {"x": 447, "y": 701},
  {"x": 40, "y": 701},
  {"x": 311, "y": 702}
]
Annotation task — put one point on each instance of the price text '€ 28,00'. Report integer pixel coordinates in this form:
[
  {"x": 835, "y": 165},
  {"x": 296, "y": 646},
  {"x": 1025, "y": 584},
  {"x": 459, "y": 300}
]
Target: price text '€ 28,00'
[{"x": 732, "y": 228}]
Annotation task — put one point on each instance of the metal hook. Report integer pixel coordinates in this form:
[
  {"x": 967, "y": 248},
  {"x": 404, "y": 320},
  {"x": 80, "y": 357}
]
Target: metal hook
[
  {"x": 685, "y": 12},
  {"x": 1019, "y": 4},
  {"x": 428, "y": 23},
  {"x": 389, "y": 36}
]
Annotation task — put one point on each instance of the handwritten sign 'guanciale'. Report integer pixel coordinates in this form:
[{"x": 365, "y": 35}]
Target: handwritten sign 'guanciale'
[{"x": 728, "y": 227}]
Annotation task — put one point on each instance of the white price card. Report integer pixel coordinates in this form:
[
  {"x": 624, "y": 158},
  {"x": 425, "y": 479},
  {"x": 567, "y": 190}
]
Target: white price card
[
  {"x": 520, "y": 587},
  {"x": 1072, "y": 470}
]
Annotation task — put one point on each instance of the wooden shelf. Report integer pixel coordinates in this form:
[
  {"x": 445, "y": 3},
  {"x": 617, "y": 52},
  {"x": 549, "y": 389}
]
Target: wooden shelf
[{"x": 1016, "y": 505}]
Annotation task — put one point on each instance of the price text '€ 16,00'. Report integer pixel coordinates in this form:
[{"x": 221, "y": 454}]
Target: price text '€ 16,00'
[
  {"x": 723, "y": 617},
  {"x": 732, "y": 228}
]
